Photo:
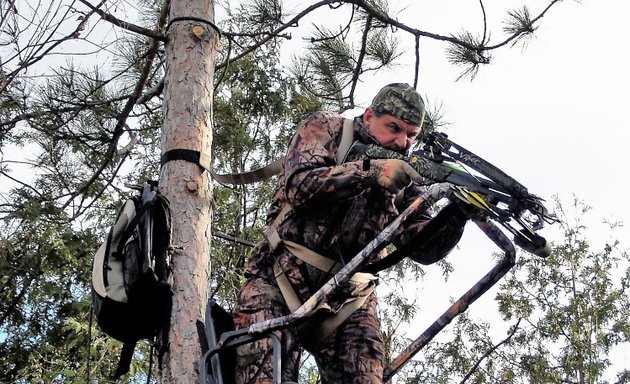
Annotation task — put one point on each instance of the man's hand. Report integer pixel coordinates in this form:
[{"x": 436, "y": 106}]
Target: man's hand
[
  {"x": 440, "y": 191},
  {"x": 393, "y": 174}
]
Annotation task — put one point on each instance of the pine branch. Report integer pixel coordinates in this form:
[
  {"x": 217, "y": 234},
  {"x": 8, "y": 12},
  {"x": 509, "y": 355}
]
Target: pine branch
[
  {"x": 123, "y": 24},
  {"x": 126, "y": 111},
  {"x": 29, "y": 61},
  {"x": 491, "y": 351},
  {"x": 357, "y": 69},
  {"x": 525, "y": 29},
  {"x": 277, "y": 32},
  {"x": 11, "y": 307}
]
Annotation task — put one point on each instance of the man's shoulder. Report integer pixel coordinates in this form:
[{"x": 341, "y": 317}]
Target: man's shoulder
[
  {"x": 327, "y": 120},
  {"x": 325, "y": 116}
]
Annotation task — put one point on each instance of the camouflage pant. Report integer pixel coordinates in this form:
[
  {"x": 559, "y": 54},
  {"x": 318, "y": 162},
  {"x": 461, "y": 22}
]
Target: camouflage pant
[{"x": 353, "y": 353}]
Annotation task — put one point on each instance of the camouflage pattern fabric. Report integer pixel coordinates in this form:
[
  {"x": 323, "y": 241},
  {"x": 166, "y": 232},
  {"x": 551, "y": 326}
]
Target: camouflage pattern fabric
[
  {"x": 354, "y": 353},
  {"x": 336, "y": 209},
  {"x": 353, "y": 350},
  {"x": 402, "y": 101},
  {"x": 261, "y": 300}
]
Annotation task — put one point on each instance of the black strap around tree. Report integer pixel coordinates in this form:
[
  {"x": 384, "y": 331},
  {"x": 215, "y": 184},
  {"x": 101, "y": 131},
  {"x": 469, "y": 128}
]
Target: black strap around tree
[
  {"x": 255, "y": 175},
  {"x": 204, "y": 161},
  {"x": 186, "y": 155}
]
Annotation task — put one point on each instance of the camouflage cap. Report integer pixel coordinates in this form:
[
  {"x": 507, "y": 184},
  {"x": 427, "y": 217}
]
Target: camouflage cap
[{"x": 402, "y": 101}]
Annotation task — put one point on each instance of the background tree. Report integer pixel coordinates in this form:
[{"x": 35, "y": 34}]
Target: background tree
[
  {"x": 567, "y": 313},
  {"x": 82, "y": 85},
  {"x": 251, "y": 137}
]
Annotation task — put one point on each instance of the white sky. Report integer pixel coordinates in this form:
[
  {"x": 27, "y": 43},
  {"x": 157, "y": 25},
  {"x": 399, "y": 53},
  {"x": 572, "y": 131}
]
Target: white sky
[{"x": 553, "y": 116}]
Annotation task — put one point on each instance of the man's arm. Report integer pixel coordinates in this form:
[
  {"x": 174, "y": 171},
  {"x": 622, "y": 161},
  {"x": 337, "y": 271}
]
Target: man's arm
[
  {"x": 438, "y": 237},
  {"x": 312, "y": 175}
]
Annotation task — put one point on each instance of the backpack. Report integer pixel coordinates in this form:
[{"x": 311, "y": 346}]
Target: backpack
[{"x": 131, "y": 296}]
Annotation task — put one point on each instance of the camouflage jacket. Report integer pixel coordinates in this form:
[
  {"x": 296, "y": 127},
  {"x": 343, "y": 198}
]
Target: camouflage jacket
[{"x": 336, "y": 209}]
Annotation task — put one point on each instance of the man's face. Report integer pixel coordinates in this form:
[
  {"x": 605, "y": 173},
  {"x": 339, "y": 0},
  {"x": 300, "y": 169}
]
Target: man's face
[{"x": 389, "y": 131}]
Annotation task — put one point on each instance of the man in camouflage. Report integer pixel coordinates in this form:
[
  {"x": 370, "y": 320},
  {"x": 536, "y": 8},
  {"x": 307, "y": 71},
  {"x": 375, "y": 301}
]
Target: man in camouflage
[{"x": 335, "y": 210}]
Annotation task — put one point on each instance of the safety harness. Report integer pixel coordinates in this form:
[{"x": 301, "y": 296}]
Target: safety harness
[{"x": 324, "y": 264}]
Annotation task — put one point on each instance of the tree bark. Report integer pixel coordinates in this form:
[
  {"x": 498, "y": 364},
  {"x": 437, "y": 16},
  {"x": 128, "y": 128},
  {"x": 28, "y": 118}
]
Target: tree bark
[{"x": 188, "y": 95}]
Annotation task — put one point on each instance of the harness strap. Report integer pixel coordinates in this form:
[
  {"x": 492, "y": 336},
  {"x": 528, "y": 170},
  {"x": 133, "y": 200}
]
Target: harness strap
[
  {"x": 313, "y": 258},
  {"x": 253, "y": 176},
  {"x": 347, "y": 137},
  {"x": 271, "y": 233},
  {"x": 204, "y": 161},
  {"x": 189, "y": 155},
  {"x": 290, "y": 297},
  {"x": 328, "y": 325}
]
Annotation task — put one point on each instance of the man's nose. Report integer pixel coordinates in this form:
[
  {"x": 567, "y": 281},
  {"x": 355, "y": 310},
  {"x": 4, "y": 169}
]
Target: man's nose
[{"x": 401, "y": 141}]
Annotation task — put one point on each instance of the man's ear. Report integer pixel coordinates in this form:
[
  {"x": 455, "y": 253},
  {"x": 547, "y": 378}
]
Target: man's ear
[{"x": 368, "y": 115}]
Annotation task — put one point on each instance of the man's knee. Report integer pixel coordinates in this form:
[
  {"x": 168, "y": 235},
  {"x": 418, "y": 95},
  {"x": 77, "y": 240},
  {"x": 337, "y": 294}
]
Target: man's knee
[{"x": 258, "y": 300}]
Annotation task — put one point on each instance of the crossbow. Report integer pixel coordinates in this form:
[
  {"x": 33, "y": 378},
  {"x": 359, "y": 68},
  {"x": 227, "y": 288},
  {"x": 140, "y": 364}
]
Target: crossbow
[
  {"x": 477, "y": 182},
  {"x": 500, "y": 199},
  {"x": 498, "y": 196}
]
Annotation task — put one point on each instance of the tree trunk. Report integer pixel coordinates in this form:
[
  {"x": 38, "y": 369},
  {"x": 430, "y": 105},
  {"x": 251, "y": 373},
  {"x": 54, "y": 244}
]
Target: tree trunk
[{"x": 188, "y": 94}]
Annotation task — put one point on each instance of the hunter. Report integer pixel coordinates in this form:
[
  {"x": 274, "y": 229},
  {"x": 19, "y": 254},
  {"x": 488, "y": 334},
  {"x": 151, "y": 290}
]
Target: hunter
[{"x": 324, "y": 211}]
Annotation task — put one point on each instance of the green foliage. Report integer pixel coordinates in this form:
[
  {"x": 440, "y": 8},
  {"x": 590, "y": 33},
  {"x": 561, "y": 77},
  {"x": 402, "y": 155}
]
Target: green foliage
[
  {"x": 42, "y": 261},
  {"x": 468, "y": 56},
  {"x": 332, "y": 63},
  {"x": 519, "y": 22},
  {"x": 576, "y": 301},
  {"x": 256, "y": 110},
  {"x": 60, "y": 194},
  {"x": 567, "y": 313}
]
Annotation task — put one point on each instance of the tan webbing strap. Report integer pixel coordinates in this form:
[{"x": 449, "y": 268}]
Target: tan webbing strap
[
  {"x": 326, "y": 327},
  {"x": 313, "y": 258},
  {"x": 271, "y": 233},
  {"x": 260, "y": 174},
  {"x": 320, "y": 331},
  {"x": 252, "y": 176},
  {"x": 204, "y": 161},
  {"x": 275, "y": 167},
  {"x": 273, "y": 238},
  {"x": 347, "y": 137},
  {"x": 310, "y": 257},
  {"x": 290, "y": 297}
]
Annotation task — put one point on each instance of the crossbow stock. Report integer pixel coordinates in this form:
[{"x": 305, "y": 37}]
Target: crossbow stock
[{"x": 477, "y": 182}]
